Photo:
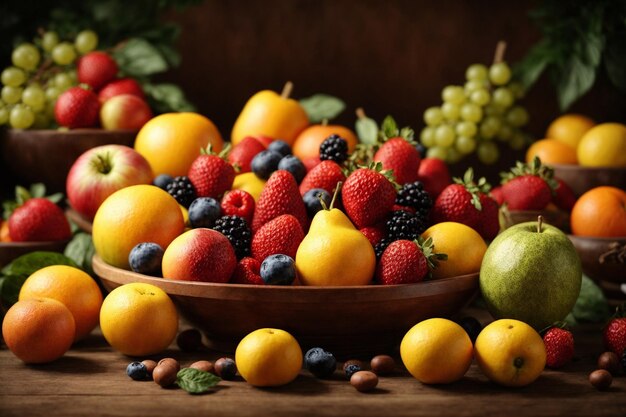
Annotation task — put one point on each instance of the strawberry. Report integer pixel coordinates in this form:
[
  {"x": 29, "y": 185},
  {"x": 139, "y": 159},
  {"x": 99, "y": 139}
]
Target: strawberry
[
  {"x": 96, "y": 69},
  {"x": 119, "y": 87},
  {"x": 280, "y": 195},
  {"x": 311, "y": 163},
  {"x": 496, "y": 194},
  {"x": 374, "y": 233},
  {"x": 528, "y": 186},
  {"x": 243, "y": 153},
  {"x": 325, "y": 175},
  {"x": 400, "y": 156},
  {"x": 564, "y": 197},
  {"x": 248, "y": 271},
  {"x": 434, "y": 174},
  {"x": 615, "y": 333},
  {"x": 280, "y": 235},
  {"x": 38, "y": 220},
  {"x": 559, "y": 347},
  {"x": 77, "y": 107},
  {"x": 238, "y": 203},
  {"x": 368, "y": 195},
  {"x": 489, "y": 218},
  {"x": 407, "y": 261},
  {"x": 211, "y": 175}
]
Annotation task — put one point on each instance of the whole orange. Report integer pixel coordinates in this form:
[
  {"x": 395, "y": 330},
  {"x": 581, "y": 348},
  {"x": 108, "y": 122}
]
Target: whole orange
[
  {"x": 172, "y": 141},
  {"x": 71, "y": 286},
  {"x": 4, "y": 232},
  {"x": 552, "y": 151},
  {"x": 600, "y": 212},
  {"x": 38, "y": 330},
  {"x": 569, "y": 128},
  {"x": 307, "y": 144}
]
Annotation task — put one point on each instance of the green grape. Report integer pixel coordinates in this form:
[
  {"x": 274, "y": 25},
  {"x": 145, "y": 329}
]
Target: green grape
[
  {"x": 506, "y": 132},
  {"x": 450, "y": 111},
  {"x": 26, "y": 56},
  {"x": 471, "y": 112},
  {"x": 11, "y": 95},
  {"x": 52, "y": 93},
  {"x": 21, "y": 117},
  {"x": 480, "y": 97},
  {"x": 488, "y": 153},
  {"x": 64, "y": 53},
  {"x": 500, "y": 73},
  {"x": 42, "y": 121},
  {"x": 427, "y": 137},
  {"x": 502, "y": 97},
  {"x": 49, "y": 41},
  {"x": 517, "y": 89},
  {"x": 493, "y": 110},
  {"x": 4, "y": 115},
  {"x": 517, "y": 116},
  {"x": 437, "y": 152},
  {"x": 50, "y": 109},
  {"x": 518, "y": 141},
  {"x": 63, "y": 81},
  {"x": 468, "y": 129},
  {"x": 13, "y": 77},
  {"x": 433, "y": 116},
  {"x": 73, "y": 76},
  {"x": 465, "y": 144},
  {"x": 444, "y": 136},
  {"x": 476, "y": 72},
  {"x": 453, "y": 156},
  {"x": 34, "y": 97},
  {"x": 474, "y": 85},
  {"x": 453, "y": 94},
  {"x": 489, "y": 127},
  {"x": 86, "y": 41}
]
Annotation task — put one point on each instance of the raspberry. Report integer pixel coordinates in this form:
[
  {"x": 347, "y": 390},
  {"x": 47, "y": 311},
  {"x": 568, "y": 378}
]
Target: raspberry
[
  {"x": 237, "y": 231},
  {"x": 239, "y": 203},
  {"x": 334, "y": 148},
  {"x": 404, "y": 225},
  {"x": 182, "y": 190},
  {"x": 413, "y": 195}
]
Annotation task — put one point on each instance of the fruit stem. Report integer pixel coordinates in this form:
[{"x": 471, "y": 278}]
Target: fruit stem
[
  {"x": 360, "y": 113},
  {"x": 500, "y": 50},
  {"x": 287, "y": 90},
  {"x": 332, "y": 202},
  {"x": 539, "y": 223},
  {"x": 518, "y": 362},
  {"x": 324, "y": 122},
  {"x": 103, "y": 164}
]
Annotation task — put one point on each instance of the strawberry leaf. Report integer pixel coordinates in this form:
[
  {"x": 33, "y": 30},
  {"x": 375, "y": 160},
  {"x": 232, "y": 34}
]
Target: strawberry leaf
[
  {"x": 367, "y": 130},
  {"x": 389, "y": 128},
  {"x": 428, "y": 249},
  {"x": 475, "y": 189}
]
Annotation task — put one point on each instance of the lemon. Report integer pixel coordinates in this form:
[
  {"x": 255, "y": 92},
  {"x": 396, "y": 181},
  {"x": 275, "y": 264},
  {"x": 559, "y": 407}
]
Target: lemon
[
  {"x": 603, "y": 146},
  {"x": 569, "y": 129},
  {"x": 250, "y": 183}
]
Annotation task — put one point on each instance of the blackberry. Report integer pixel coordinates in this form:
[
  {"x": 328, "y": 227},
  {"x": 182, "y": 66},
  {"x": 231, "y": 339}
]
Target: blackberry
[
  {"x": 413, "y": 195},
  {"x": 237, "y": 231},
  {"x": 381, "y": 246},
  {"x": 334, "y": 148},
  {"x": 405, "y": 225},
  {"x": 182, "y": 190}
]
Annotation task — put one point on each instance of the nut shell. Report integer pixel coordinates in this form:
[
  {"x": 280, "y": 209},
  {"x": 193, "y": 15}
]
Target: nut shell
[
  {"x": 205, "y": 366},
  {"x": 601, "y": 379},
  {"x": 364, "y": 381},
  {"x": 383, "y": 365},
  {"x": 165, "y": 374}
]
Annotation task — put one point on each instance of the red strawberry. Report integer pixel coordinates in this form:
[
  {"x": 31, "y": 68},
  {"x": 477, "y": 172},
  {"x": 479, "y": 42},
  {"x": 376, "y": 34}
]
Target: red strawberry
[
  {"x": 564, "y": 197},
  {"x": 325, "y": 175},
  {"x": 280, "y": 235},
  {"x": 400, "y": 156},
  {"x": 559, "y": 347},
  {"x": 77, "y": 107},
  {"x": 248, "y": 271},
  {"x": 528, "y": 186},
  {"x": 496, "y": 194},
  {"x": 406, "y": 262},
  {"x": 280, "y": 195},
  {"x": 434, "y": 174},
  {"x": 489, "y": 218},
  {"x": 311, "y": 163},
  {"x": 614, "y": 333},
  {"x": 96, "y": 69},
  {"x": 119, "y": 87},
  {"x": 374, "y": 233},
  {"x": 238, "y": 203},
  {"x": 38, "y": 220},
  {"x": 243, "y": 153},
  {"x": 211, "y": 175}
]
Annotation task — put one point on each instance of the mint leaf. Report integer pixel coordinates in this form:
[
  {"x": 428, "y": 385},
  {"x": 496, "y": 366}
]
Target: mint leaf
[
  {"x": 322, "y": 106},
  {"x": 139, "y": 58},
  {"x": 31, "y": 262},
  {"x": 367, "y": 130},
  {"x": 195, "y": 381},
  {"x": 81, "y": 251},
  {"x": 166, "y": 98}
]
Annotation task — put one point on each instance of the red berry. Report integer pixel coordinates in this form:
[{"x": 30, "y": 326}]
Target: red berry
[
  {"x": 367, "y": 197},
  {"x": 403, "y": 262},
  {"x": 248, "y": 271},
  {"x": 559, "y": 347},
  {"x": 77, "y": 107},
  {"x": 38, "y": 220},
  {"x": 96, "y": 69},
  {"x": 280, "y": 196},
  {"x": 243, "y": 153},
  {"x": 238, "y": 203},
  {"x": 615, "y": 335},
  {"x": 211, "y": 175},
  {"x": 324, "y": 175},
  {"x": 398, "y": 155},
  {"x": 434, "y": 174},
  {"x": 119, "y": 87},
  {"x": 280, "y": 235}
]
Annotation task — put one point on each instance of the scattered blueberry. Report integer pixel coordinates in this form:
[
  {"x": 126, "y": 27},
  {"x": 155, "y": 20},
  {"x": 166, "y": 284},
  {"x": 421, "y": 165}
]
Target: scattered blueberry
[
  {"x": 203, "y": 212},
  {"x": 280, "y": 146},
  {"x": 146, "y": 258},
  {"x": 294, "y": 165},
  {"x": 320, "y": 363},
  {"x": 312, "y": 201},
  {"x": 265, "y": 163},
  {"x": 351, "y": 370},
  {"x": 225, "y": 368},
  {"x": 471, "y": 326},
  {"x": 278, "y": 269},
  {"x": 162, "y": 181},
  {"x": 137, "y": 371}
]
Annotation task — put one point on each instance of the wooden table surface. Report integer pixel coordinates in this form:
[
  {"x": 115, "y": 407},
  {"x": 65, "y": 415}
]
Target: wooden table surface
[{"x": 90, "y": 380}]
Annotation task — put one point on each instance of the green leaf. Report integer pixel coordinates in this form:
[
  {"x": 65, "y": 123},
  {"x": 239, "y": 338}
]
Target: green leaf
[
  {"x": 167, "y": 97},
  {"x": 31, "y": 262},
  {"x": 195, "y": 381},
  {"x": 38, "y": 190},
  {"x": 139, "y": 58},
  {"x": 10, "y": 289},
  {"x": 367, "y": 130},
  {"x": 21, "y": 195},
  {"x": 389, "y": 127},
  {"x": 528, "y": 71},
  {"x": 56, "y": 198},
  {"x": 8, "y": 207},
  {"x": 322, "y": 106},
  {"x": 591, "y": 305},
  {"x": 575, "y": 82},
  {"x": 81, "y": 251},
  {"x": 615, "y": 64}
]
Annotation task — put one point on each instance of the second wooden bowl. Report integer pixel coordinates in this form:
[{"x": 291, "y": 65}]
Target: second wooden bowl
[
  {"x": 582, "y": 179},
  {"x": 12, "y": 250}
]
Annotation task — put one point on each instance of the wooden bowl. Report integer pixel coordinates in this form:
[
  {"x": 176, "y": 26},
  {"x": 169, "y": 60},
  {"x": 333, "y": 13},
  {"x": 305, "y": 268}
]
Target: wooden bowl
[
  {"x": 556, "y": 218},
  {"x": 582, "y": 179},
  {"x": 12, "y": 250},
  {"x": 47, "y": 155},
  {"x": 346, "y": 320}
]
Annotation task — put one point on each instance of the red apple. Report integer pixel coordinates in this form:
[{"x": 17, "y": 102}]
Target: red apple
[
  {"x": 101, "y": 171},
  {"x": 118, "y": 87},
  {"x": 125, "y": 111}
]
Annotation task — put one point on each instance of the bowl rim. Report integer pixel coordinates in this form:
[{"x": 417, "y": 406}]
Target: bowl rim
[
  {"x": 598, "y": 239},
  {"x": 576, "y": 167},
  {"x": 45, "y": 243}
]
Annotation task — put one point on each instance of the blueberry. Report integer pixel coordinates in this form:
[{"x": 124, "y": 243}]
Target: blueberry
[
  {"x": 312, "y": 201},
  {"x": 162, "y": 180},
  {"x": 146, "y": 258},
  {"x": 351, "y": 370},
  {"x": 265, "y": 163},
  {"x": 294, "y": 165},
  {"x": 421, "y": 149},
  {"x": 226, "y": 368},
  {"x": 278, "y": 269},
  {"x": 203, "y": 212},
  {"x": 471, "y": 326},
  {"x": 320, "y": 363},
  {"x": 137, "y": 371},
  {"x": 280, "y": 146}
]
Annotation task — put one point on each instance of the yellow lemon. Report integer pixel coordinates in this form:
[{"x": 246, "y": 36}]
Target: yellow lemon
[
  {"x": 250, "y": 183},
  {"x": 569, "y": 129},
  {"x": 603, "y": 146}
]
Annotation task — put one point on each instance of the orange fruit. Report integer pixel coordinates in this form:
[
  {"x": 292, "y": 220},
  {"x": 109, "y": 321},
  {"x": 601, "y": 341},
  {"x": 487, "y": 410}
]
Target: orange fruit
[
  {"x": 569, "y": 128},
  {"x": 172, "y": 141},
  {"x": 4, "y": 232},
  {"x": 552, "y": 151},
  {"x": 71, "y": 286},
  {"x": 463, "y": 245},
  {"x": 38, "y": 330},
  {"x": 436, "y": 351},
  {"x": 600, "y": 212},
  {"x": 307, "y": 144},
  {"x": 510, "y": 353},
  {"x": 268, "y": 358},
  {"x": 132, "y": 215},
  {"x": 603, "y": 146},
  {"x": 138, "y": 319}
]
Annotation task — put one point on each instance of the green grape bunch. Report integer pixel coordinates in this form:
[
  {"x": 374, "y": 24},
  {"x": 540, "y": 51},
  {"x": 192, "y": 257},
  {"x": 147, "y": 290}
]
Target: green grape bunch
[
  {"x": 41, "y": 71},
  {"x": 476, "y": 116}
]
